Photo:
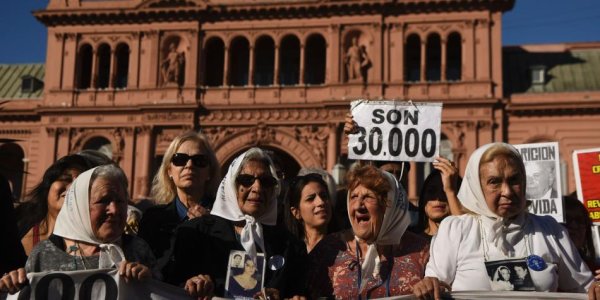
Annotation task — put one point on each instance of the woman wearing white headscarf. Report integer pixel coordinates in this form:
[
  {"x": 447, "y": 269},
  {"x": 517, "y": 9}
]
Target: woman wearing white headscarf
[
  {"x": 497, "y": 229},
  {"x": 377, "y": 257},
  {"x": 89, "y": 232},
  {"x": 243, "y": 218}
]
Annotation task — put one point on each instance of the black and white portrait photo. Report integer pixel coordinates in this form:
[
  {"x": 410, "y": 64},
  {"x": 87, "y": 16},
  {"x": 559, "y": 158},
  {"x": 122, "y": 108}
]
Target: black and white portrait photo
[
  {"x": 541, "y": 180},
  {"x": 509, "y": 275}
]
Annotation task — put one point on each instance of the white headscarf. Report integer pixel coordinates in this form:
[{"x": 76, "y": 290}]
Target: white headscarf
[
  {"x": 226, "y": 204},
  {"x": 73, "y": 221},
  {"x": 503, "y": 233},
  {"x": 395, "y": 222}
]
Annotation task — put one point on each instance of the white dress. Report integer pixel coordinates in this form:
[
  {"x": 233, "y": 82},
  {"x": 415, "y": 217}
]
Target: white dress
[{"x": 457, "y": 255}]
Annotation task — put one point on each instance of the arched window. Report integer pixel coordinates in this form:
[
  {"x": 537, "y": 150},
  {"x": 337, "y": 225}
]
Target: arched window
[
  {"x": 238, "y": 61},
  {"x": 264, "y": 61},
  {"x": 315, "y": 59},
  {"x": 100, "y": 144},
  {"x": 412, "y": 58},
  {"x": 84, "y": 66},
  {"x": 434, "y": 58},
  {"x": 103, "y": 60},
  {"x": 454, "y": 57},
  {"x": 289, "y": 61},
  {"x": 122, "y": 71},
  {"x": 214, "y": 62}
]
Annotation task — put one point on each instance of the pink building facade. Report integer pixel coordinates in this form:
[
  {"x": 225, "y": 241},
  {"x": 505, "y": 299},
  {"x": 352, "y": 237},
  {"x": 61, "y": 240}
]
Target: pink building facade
[{"x": 125, "y": 77}]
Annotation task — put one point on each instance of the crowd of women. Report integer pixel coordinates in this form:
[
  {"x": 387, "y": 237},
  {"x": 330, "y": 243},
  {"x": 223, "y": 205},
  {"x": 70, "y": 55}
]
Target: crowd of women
[{"x": 298, "y": 237}]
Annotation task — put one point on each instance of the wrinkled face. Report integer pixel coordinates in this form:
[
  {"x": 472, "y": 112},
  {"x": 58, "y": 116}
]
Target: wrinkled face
[
  {"x": 189, "y": 177},
  {"x": 437, "y": 210},
  {"x": 521, "y": 272},
  {"x": 366, "y": 210},
  {"x": 539, "y": 180},
  {"x": 314, "y": 207},
  {"x": 108, "y": 209},
  {"x": 58, "y": 190},
  {"x": 503, "y": 186},
  {"x": 254, "y": 199}
]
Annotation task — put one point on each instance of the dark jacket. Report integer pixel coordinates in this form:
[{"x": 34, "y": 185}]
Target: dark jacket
[
  {"x": 203, "y": 245},
  {"x": 12, "y": 255},
  {"x": 157, "y": 226}
]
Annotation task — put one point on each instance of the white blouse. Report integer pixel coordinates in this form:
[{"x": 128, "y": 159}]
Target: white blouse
[{"x": 457, "y": 255}]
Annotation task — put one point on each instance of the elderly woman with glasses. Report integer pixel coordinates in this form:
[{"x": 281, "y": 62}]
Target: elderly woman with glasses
[
  {"x": 377, "y": 257},
  {"x": 243, "y": 219},
  {"x": 183, "y": 187}
]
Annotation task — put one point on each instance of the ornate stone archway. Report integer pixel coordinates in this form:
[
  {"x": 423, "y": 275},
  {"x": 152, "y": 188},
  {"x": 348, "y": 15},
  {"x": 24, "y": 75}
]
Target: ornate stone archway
[{"x": 229, "y": 141}]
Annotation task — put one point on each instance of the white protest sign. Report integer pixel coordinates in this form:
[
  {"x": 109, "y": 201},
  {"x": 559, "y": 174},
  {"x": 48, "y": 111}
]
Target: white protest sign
[
  {"x": 95, "y": 284},
  {"x": 542, "y": 165},
  {"x": 395, "y": 131}
]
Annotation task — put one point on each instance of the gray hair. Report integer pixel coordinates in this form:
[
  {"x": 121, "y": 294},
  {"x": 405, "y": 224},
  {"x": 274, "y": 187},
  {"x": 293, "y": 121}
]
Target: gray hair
[
  {"x": 259, "y": 155},
  {"x": 110, "y": 172}
]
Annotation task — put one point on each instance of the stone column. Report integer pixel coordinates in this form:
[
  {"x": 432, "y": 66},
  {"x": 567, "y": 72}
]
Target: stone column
[
  {"x": 444, "y": 62},
  {"x": 143, "y": 161},
  {"x": 412, "y": 182},
  {"x": 94, "y": 71},
  {"x": 226, "y": 66},
  {"x": 251, "y": 67},
  {"x": 111, "y": 72},
  {"x": 332, "y": 146},
  {"x": 276, "y": 66},
  {"x": 423, "y": 59},
  {"x": 302, "y": 60}
]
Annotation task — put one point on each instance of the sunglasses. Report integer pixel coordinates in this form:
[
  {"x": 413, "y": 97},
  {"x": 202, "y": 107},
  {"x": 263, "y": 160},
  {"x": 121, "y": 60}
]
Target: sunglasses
[
  {"x": 181, "y": 159},
  {"x": 248, "y": 180}
]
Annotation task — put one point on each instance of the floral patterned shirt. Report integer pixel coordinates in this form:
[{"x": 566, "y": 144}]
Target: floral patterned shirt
[{"x": 334, "y": 269}]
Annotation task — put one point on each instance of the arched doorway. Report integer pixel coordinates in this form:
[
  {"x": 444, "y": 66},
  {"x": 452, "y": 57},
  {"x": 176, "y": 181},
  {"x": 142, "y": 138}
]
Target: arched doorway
[
  {"x": 12, "y": 167},
  {"x": 100, "y": 144}
]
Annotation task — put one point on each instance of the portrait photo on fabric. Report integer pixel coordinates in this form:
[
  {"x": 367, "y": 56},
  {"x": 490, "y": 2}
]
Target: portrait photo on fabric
[
  {"x": 245, "y": 276},
  {"x": 509, "y": 275}
]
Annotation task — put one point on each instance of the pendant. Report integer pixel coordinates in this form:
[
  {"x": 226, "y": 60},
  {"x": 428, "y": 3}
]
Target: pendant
[
  {"x": 536, "y": 263},
  {"x": 276, "y": 262}
]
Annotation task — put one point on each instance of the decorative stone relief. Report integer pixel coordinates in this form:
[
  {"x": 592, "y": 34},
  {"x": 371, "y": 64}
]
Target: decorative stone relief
[
  {"x": 169, "y": 116},
  {"x": 316, "y": 138},
  {"x": 263, "y": 135},
  {"x": 217, "y": 135}
]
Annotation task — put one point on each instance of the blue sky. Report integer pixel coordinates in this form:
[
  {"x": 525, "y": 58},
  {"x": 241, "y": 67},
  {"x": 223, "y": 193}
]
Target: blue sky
[{"x": 23, "y": 38}]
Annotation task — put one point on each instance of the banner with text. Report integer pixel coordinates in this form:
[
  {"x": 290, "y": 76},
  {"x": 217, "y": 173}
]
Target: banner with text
[
  {"x": 586, "y": 164},
  {"x": 542, "y": 165},
  {"x": 95, "y": 284},
  {"x": 395, "y": 131}
]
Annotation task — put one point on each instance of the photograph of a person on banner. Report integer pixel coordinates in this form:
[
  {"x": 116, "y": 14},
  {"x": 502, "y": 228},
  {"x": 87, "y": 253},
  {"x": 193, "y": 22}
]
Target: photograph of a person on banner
[
  {"x": 541, "y": 180},
  {"x": 246, "y": 282}
]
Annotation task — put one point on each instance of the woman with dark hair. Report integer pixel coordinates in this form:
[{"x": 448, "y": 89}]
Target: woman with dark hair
[
  {"x": 37, "y": 215},
  {"x": 438, "y": 197},
  {"x": 579, "y": 224},
  {"x": 307, "y": 209}
]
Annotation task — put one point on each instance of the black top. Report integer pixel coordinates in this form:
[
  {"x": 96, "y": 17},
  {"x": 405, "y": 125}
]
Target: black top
[
  {"x": 157, "y": 226},
  {"x": 202, "y": 246},
  {"x": 12, "y": 255}
]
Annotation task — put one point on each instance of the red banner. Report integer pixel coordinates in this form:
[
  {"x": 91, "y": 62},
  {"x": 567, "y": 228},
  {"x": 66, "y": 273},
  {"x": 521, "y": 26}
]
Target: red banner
[{"x": 587, "y": 175}]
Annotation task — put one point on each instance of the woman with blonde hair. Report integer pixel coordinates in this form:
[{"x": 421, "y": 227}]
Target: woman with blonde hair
[{"x": 184, "y": 188}]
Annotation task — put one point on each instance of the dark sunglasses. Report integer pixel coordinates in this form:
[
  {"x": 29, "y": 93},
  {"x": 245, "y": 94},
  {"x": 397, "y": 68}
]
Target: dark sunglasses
[
  {"x": 181, "y": 159},
  {"x": 248, "y": 180}
]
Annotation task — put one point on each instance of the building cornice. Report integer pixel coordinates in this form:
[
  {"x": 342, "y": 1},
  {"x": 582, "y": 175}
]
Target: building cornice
[{"x": 240, "y": 10}]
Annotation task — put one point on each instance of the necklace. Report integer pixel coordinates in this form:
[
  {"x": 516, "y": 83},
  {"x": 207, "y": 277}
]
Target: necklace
[{"x": 83, "y": 260}]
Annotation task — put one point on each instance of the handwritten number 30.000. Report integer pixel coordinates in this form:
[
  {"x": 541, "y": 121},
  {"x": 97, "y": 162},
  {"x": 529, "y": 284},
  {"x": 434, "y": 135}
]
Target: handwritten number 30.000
[{"x": 410, "y": 142}]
